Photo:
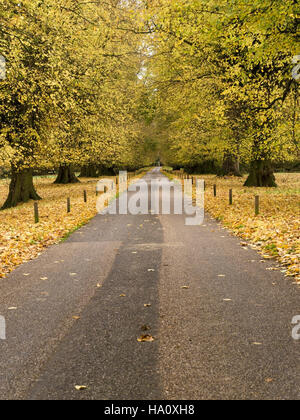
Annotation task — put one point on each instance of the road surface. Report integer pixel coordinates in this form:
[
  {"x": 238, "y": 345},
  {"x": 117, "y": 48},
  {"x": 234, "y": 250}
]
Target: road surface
[{"x": 221, "y": 321}]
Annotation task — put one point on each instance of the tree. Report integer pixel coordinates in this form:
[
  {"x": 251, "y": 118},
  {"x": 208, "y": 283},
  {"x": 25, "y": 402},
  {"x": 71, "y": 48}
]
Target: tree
[
  {"x": 223, "y": 71},
  {"x": 71, "y": 88},
  {"x": 24, "y": 99}
]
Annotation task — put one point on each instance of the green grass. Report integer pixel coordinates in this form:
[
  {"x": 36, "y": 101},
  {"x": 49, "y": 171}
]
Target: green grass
[{"x": 74, "y": 229}]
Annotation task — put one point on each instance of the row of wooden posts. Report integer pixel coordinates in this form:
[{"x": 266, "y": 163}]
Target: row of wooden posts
[
  {"x": 85, "y": 198},
  {"x": 194, "y": 180}
]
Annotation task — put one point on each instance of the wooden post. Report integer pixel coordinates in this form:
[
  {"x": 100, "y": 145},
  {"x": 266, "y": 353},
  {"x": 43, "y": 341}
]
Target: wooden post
[
  {"x": 68, "y": 205},
  {"x": 105, "y": 190},
  {"x": 215, "y": 190},
  {"x": 85, "y": 196},
  {"x": 257, "y": 205},
  {"x": 230, "y": 197},
  {"x": 36, "y": 212}
]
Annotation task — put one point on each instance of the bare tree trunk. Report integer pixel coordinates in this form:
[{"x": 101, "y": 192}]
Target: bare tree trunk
[
  {"x": 231, "y": 166},
  {"x": 66, "y": 175},
  {"x": 261, "y": 174},
  {"x": 89, "y": 171},
  {"x": 21, "y": 188}
]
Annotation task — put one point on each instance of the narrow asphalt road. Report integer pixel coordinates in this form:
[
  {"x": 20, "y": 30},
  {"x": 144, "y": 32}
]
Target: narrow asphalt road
[{"x": 221, "y": 321}]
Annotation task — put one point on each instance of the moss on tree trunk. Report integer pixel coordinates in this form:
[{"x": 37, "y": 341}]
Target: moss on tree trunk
[
  {"x": 21, "y": 188},
  {"x": 261, "y": 174},
  {"x": 66, "y": 175}
]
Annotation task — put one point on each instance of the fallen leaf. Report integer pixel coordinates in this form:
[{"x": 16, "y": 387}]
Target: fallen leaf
[
  {"x": 185, "y": 287},
  {"x": 76, "y": 317},
  {"x": 80, "y": 387},
  {"x": 44, "y": 278},
  {"x": 145, "y": 328},
  {"x": 145, "y": 338},
  {"x": 147, "y": 305},
  {"x": 122, "y": 295}
]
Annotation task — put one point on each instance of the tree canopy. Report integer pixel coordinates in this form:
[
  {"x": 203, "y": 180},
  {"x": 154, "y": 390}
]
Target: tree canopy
[{"x": 113, "y": 84}]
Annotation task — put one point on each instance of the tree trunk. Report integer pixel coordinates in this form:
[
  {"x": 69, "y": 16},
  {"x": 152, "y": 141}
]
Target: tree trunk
[
  {"x": 21, "y": 188},
  {"x": 230, "y": 166},
  {"x": 261, "y": 174},
  {"x": 66, "y": 175},
  {"x": 89, "y": 171}
]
